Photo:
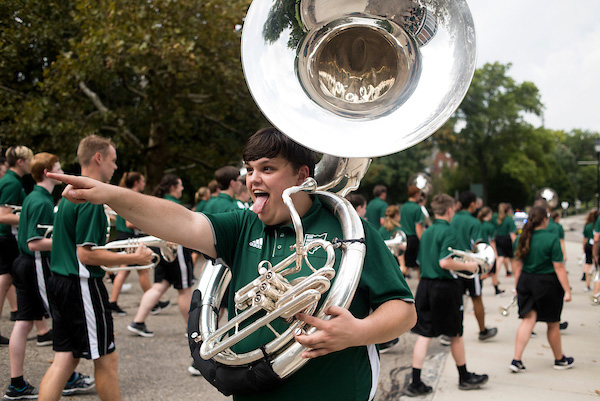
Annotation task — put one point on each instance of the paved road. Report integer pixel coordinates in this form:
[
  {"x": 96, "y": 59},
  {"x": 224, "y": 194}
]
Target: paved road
[{"x": 156, "y": 368}]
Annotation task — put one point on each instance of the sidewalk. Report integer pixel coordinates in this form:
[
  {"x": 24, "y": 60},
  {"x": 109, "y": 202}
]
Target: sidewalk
[{"x": 580, "y": 340}]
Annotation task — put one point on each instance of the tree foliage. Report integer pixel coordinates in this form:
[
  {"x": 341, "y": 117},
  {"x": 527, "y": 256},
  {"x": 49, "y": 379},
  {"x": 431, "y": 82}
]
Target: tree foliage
[{"x": 162, "y": 78}]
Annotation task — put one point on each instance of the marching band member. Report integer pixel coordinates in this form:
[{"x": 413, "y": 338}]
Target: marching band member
[
  {"x": 342, "y": 346},
  {"x": 542, "y": 287},
  {"x": 81, "y": 317},
  {"x": 412, "y": 221},
  {"x": 439, "y": 299}
]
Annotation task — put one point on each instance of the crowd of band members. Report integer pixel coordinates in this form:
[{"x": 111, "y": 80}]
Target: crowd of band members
[{"x": 455, "y": 224}]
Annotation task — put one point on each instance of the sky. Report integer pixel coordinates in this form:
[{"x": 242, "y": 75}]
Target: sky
[{"x": 554, "y": 44}]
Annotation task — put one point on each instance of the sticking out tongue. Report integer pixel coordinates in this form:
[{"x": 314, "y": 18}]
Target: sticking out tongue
[{"x": 259, "y": 203}]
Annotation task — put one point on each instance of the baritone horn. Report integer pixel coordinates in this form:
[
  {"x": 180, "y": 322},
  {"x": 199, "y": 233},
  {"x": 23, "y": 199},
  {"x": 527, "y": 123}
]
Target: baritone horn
[
  {"x": 397, "y": 244},
  {"x": 168, "y": 251},
  {"x": 483, "y": 255},
  {"x": 324, "y": 75},
  {"x": 549, "y": 195}
]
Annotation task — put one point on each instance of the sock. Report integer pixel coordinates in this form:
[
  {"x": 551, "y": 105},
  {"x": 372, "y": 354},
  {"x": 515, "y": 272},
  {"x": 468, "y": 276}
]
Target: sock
[
  {"x": 497, "y": 289},
  {"x": 462, "y": 372},
  {"x": 17, "y": 382},
  {"x": 416, "y": 376}
]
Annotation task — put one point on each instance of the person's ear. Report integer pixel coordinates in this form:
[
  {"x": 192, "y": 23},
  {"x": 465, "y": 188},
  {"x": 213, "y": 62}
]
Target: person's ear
[
  {"x": 97, "y": 157},
  {"x": 303, "y": 173}
]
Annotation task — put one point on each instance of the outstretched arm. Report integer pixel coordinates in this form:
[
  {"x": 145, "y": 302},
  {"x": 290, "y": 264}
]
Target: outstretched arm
[
  {"x": 343, "y": 330},
  {"x": 155, "y": 216}
]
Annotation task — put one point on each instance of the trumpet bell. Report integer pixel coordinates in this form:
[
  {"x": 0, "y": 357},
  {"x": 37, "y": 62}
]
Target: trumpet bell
[{"x": 350, "y": 67}]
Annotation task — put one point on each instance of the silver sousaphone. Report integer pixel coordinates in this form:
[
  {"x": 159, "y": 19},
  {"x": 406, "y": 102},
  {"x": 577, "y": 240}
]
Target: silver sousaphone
[{"x": 353, "y": 80}]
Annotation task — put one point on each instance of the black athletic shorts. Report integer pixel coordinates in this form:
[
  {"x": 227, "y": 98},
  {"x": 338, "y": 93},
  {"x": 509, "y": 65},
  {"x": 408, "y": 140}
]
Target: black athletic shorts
[
  {"x": 412, "y": 251},
  {"x": 504, "y": 246},
  {"x": 588, "y": 249},
  {"x": 81, "y": 319},
  {"x": 470, "y": 286},
  {"x": 180, "y": 272},
  {"x": 542, "y": 293},
  {"x": 9, "y": 250},
  {"x": 439, "y": 308},
  {"x": 30, "y": 275}
]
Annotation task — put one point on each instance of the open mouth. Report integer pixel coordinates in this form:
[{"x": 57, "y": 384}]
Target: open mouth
[{"x": 260, "y": 201}]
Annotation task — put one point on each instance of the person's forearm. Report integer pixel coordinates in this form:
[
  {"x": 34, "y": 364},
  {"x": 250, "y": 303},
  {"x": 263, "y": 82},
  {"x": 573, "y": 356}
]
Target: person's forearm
[
  {"x": 390, "y": 320},
  {"x": 419, "y": 230},
  {"x": 561, "y": 273},
  {"x": 41, "y": 245},
  {"x": 9, "y": 218}
]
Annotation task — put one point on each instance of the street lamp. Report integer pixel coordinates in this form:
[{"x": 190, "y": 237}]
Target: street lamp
[{"x": 597, "y": 149}]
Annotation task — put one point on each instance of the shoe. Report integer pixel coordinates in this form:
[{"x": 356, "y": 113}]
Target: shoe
[
  {"x": 508, "y": 274},
  {"x": 193, "y": 371},
  {"x": 160, "y": 306},
  {"x": 79, "y": 385},
  {"x": 413, "y": 390},
  {"x": 116, "y": 310},
  {"x": 566, "y": 362},
  {"x": 499, "y": 292},
  {"x": 125, "y": 287},
  {"x": 595, "y": 299},
  {"x": 3, "y": 341},
  {"x": 26, "y": 393},
  {"x": 563, "y": 325},
  {"x": 385, "y": 347},
  {"x": 472, "y": 382},
  {"x": 45, "y": 340},
  {"x": 533, "y": 334},
  {"x": 516, "y": 366},
  {"x": 444, "y": 340},
  {"x": 13, "y": 316},
  {"x": 587, "y": 289},
  {"x": 487, "y": 334},
  {"x": 140, "y": 329}
]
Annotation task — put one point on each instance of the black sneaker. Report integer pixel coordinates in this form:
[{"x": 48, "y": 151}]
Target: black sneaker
[
  {"x": 533, "y": 334},
  {"x": 79, "y": 385},
  {"x": 13, "y": 316},
  {"x": 3, "y": 341},
  {"x": 472, "y": 381},
  {"x": 45, "y": 340},
  {"x": 140, "y": 329},
  {"x": 516, "y": 366},
  {"x": 26, "y": 393},
  {"x": 499, "y": 292},
  {"x": 160, "y": 306},
  {"x": 116, "y": 310},
  {"x": 563, "y": 325},
  {"x": 385, "y": 347},
  {"x": 566, "y": 362},
  {"x": 413, "y": 390},
  {"x": 487, "y": 334}
]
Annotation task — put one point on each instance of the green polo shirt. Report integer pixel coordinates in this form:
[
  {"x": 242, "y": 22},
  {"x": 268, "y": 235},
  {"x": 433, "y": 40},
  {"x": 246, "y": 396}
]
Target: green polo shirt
[
  {"x": 121, "y": 226},
  {"x": 201, "y": 206},
  {"x": 385, "y": 234},
  {"x": 556, "y": 228},
  {"x": 597, "y": 225},
  {"x": 435, "y": 241},
  {"x": 38, "y": 208},
  {"x": 243, "y": 241},
  {"x": 220, "y": 204},
  {"x": 411, "y": 214},
  {"x": 375, "y": 211},
  {"x": 488, "y": 231},
  {"x": 11, "y": 193},
  {"x": 544, "y": 249},
  {"x": 468, "y": 230},
  {"x": 588, "y": 232},
  {"x": 505, "y": 228},
  {"x": 77, "y": 225}
]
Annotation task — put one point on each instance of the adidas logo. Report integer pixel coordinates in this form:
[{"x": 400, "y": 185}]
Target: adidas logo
[{"x": 257, "y": 243}]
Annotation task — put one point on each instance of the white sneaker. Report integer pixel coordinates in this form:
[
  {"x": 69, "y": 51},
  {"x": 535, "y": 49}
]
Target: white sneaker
[
  {"x": 193, "y": 371},
  {"x": 125, "y": 287}
]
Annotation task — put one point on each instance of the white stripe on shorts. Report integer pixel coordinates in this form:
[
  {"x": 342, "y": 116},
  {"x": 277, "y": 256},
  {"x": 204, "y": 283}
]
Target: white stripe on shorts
[
  {"x": 41, "y": 280},
  {"x": 182, "y": 267},
  {"x": 375, "y": 367}
]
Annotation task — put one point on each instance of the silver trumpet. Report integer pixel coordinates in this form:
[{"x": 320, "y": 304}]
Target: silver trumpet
[
  {"x": 397, "y": 244},
  {"x": 504, "y": 310},
  {"x": 483, "y": 254},
  {"x": 167, "y": 250},
  {"x": 48, "y": 228}
]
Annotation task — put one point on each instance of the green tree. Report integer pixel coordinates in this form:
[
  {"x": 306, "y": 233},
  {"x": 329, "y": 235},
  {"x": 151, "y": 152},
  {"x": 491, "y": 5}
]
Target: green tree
[
  {"x": 161, "y": 78},
  {"x": 490, "y": 139}
]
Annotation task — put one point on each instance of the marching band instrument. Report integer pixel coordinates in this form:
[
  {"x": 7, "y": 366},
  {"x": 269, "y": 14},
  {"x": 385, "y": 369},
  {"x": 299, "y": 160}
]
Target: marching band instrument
[
  {"x": 324, "y": 77},
  {"x": 397, "y": 244},
  {"x": 504, "y": 310},
  {"x": 16, "y": 209},
  {"x": 423, "y": 182},
  {"x": 483, "y": 254},
  {"x": 49, "y": 229},
  {"x": 549, "y": 195},
  {"x": 167, "y": 250}
]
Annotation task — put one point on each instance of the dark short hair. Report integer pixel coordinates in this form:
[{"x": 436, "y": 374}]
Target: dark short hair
[
  {"x": 440, "y": 203},
  {"x": 378, "y": 190},
  {"x": 224, "y": 175},
  {"x": 356, "y": 200},
  {"x": 466, "y": 198},
  {"x": 270, "y": 143},
  {"x": 412, "y": 191}
]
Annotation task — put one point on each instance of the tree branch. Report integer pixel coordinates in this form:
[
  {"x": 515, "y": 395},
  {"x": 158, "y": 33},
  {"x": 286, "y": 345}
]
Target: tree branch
[{"x": 222, "y": 124}]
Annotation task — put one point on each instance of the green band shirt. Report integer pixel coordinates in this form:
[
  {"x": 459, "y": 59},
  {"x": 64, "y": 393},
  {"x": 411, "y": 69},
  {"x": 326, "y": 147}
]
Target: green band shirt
[
  {"x": 468, "y": 230},
  {"x": 375, "y": 211},
  {"x": 38, "y": 208},
  {"x": 433, "y": 248},
  {"x": 220, "y": 204},
  {"x": 411, "y": 214},
  {"x": 544, "y": 249},
  {"x": 11, "y": 193},
  {"x": 505, "y": 228}
]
